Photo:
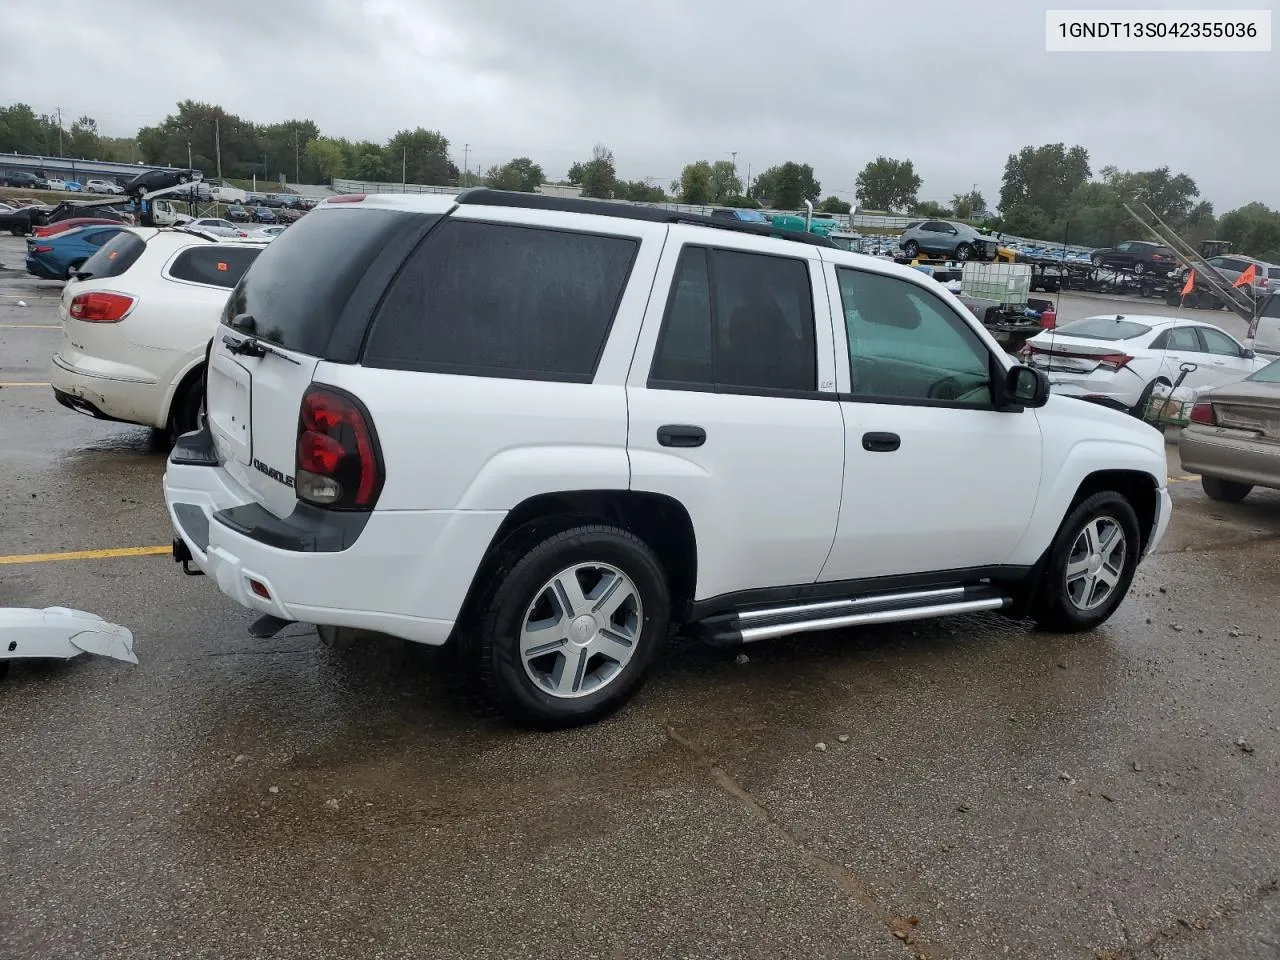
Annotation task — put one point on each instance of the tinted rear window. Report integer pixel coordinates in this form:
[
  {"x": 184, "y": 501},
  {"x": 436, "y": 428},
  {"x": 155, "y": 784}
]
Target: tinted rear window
[
  {"x": 214, "y": 266},
  {"x": 116, "y": 256},
  {"x": 497, "y": 300},
  {"x": 1268, "y": 374},
  {"x": 303, "y": 279},
  {"x": 1103, "y": 328}
]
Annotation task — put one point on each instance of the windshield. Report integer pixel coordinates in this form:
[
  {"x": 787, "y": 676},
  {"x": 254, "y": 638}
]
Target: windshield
[
  {"x": 752, "y": 216},
  {"x": 1103, "y": 328}
]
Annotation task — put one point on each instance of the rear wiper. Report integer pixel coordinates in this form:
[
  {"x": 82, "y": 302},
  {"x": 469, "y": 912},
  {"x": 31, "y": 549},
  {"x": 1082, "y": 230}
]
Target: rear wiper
[{"x": 251, "y": 346}]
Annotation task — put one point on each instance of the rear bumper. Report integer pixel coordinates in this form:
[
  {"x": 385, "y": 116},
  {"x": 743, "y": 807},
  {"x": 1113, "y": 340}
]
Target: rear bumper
[
  {"x": 404, "y": 573},
  {"x": 1093, "y": 385},
  {"x": 38, "y": 268},
  {"x": 1229, "y": 455},
  {"x": 130, "y": 399}
]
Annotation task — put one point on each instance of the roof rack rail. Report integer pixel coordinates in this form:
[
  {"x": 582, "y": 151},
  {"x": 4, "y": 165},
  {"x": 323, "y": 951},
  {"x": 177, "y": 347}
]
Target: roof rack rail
[{"x": 484, "y": 196}]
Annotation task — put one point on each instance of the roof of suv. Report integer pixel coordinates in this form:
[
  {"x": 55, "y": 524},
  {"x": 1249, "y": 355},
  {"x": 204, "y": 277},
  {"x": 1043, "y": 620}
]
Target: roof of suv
[{"x": 482, "y": 196}]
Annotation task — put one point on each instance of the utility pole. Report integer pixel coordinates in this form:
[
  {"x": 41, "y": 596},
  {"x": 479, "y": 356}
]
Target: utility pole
[
  {"x": 217, "y": 144},
  {"x": 59, "y": 109},
  {"x": 189, "y": 164},
  {"x": 404, "y": 166},
  {"x": 297, "y": 156},
  {"x": 466, "y": 168}
]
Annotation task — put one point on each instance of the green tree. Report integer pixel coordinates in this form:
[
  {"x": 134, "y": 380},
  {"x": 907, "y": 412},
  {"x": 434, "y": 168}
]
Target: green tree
[
  {"x": 575, "y": 174},
  {"x": 887, "y": 184},
  {"x": 834, "y": 204},
  {"x": 1253, "y": 230},
  {"x": 724, "y": 182},
  {"x": 968, "y": 205},
  {"x": 931, "y": 209},
  {"x": 1043, "y": 178},
  {"x": 84, "y": 141},
  {"x": 638, "y": 191},
  {"x": 519, "y": 174},
  {"x": 695, "y": 183},
  {"x": 284, "y": 147},
  {"x": 598, "y": 176},
  {"x": 420, "y": 156},
  {"x": 22, "y": 131},
  {"x": 325, "y": 156},
  {"x": 787, "y": 186}
]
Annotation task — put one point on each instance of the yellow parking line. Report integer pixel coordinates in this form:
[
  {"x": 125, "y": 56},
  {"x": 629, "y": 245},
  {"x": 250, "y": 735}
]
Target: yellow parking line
[
  {"x": 22, "y": 383},
  {"x": 86, "y": 554}
]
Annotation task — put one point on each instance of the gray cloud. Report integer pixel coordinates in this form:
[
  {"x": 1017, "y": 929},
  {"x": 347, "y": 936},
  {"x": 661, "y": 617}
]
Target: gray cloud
[{"x": 956, "y": 87}]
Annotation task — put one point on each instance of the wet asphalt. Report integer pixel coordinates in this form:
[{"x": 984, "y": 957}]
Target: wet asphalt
[{"x": 1001, "y": 792}]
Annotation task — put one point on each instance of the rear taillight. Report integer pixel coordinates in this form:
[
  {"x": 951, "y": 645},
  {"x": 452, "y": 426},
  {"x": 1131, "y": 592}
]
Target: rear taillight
[
  {"x": 1202, "y": 413},
  {"x": 42, "y": 249},
  {"x": 339, "y": 463},
  {"x": 100, "y": 307},
  {"x": 1116, "y": 361}
]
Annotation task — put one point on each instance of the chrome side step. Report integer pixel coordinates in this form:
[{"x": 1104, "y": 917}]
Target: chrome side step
[{"x": 747, "y": 626}]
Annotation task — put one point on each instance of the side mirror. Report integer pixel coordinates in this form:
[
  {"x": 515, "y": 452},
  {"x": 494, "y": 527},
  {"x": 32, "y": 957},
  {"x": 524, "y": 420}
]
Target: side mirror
[
  {"x": 1026, "y": 386},
  {"x": 1248, "y": 354}
]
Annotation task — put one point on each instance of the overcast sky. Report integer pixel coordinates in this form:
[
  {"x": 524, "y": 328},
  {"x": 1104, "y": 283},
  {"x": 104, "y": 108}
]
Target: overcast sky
[{"x": 953, "y": 86}]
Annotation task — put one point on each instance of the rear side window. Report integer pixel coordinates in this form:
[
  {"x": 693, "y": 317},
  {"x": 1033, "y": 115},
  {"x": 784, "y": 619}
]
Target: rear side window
[
  {"x": 214, "y": 266},
  {"x": 116, "y": 256},
  {"x": 303, "y": 279},
  {"x": 737, "y": 320},
  {"x": 497, "y": 300}
]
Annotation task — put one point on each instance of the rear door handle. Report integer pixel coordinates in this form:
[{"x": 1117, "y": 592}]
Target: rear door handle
[
  {"x": 881, "y": 442},
  {"x": 681, "y": 435}
]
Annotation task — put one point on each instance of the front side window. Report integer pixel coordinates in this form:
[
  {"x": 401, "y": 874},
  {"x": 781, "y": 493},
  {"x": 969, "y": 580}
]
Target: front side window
[
  {"x": 1217, "y": 342},
  {"x": 906, "y": 345},
  {"x": 740, "y": 321},
  {"x": 1182, "y": 339},
  {"x": 500, "y": 300}
]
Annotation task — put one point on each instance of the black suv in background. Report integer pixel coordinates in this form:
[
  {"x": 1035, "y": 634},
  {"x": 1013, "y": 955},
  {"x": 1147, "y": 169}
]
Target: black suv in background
[
  {"x": 20, "y": 178},
  {"x": 1140, "y": 256}
]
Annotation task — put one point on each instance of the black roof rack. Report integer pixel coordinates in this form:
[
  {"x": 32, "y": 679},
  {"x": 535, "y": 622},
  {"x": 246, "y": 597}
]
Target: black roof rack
[{"x": 483, "y": 196}]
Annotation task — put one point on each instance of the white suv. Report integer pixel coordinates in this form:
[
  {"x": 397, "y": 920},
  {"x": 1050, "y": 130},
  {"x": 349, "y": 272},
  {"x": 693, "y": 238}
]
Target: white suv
[
  {"x": 546, "y": 429},
  {"x": 136, "y": 329}
]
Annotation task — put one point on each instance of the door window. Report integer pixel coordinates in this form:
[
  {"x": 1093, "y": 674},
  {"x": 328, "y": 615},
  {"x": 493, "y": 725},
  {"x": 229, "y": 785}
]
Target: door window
[
  {"x": 1217, "y": 342},
  {"x": 1122, "y": 247},
  {"x": 500, "y": 300},
  {"x": 1182, "y": 340},
  {"x": 906, "y": 345},
  {"x": 739, "y": 321}
]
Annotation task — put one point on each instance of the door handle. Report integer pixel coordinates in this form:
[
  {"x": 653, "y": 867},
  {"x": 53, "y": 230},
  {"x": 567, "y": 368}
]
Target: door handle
[
  {"x": 681, "y": 435},
  {"x": 881, "y": 442}
]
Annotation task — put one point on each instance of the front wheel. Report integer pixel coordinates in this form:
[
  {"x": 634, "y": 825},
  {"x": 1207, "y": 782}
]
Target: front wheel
[
  {"x": 964, "y": 251},
  {"x": 1090, "y": 564},
  {"x": 1225, "y": 491},
  {"x": 570, "y": 630},
  {"x": 1139, "y": 268},
  {"x": 1096, "y": 259},
  {"x": 911, "y": 249}
]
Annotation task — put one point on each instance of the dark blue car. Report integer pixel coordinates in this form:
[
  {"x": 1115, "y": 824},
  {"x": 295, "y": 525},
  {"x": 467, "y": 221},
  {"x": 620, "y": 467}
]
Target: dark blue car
[{"x": 56, "y": 257}]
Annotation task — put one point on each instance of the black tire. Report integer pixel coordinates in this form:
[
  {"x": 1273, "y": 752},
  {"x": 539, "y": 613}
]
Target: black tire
[
  {"x": 1173, "y": 299},
  {"x": 71, "y": 270},
  {"x": 17, "y": 231},
  {"x": 1139, "y": 268},
  {"x": 964, "y": 251},
  {"x": 183, "y": 178},
  {"x": 1225, "y": 491},
  {"x": 184, "y": 415},
  {"x": 1054, "y": 608},
  {"x": 1096, "y": 259},
  {"x": 911, "y": 249},
  {"x": 489, "y": 643},
  {"x": 1141, "y": 407}
]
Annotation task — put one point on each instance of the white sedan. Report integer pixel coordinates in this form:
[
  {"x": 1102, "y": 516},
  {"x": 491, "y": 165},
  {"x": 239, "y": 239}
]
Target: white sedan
[
  {"x": 1120, "y": 359},
  {"x": 215, "y": 226}
]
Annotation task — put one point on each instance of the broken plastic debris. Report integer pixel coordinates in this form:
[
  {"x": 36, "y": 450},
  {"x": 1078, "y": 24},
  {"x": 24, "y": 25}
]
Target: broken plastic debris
[{"x": 59, "y": 633}]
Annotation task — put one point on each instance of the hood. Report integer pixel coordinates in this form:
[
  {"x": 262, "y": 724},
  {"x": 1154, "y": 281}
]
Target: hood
[{"x": 1103, "y": 422}]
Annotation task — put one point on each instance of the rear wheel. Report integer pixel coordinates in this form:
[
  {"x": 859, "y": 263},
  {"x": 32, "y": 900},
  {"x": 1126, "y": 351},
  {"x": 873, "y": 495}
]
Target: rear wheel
[
  {"x": 1090, "y": 564},
  {"x": 568, "y": 633},
  {"x": 1225, "y": 491},
  {"x": 1139, "y": 268},
  {"x": 187, "y": 412},
  {"x": 1140, "y": 408}
]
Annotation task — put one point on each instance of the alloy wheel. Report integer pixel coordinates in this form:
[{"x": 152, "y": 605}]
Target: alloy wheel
[
  {"x": 1095, "y": 563},
  {"x": 581, "y": 630}
]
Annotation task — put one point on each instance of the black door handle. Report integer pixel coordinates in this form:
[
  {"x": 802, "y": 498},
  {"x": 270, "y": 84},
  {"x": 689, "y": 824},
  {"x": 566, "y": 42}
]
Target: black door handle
[
  {"x": 881, "y": 442},
  {"x": 681, "y": 435}
]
